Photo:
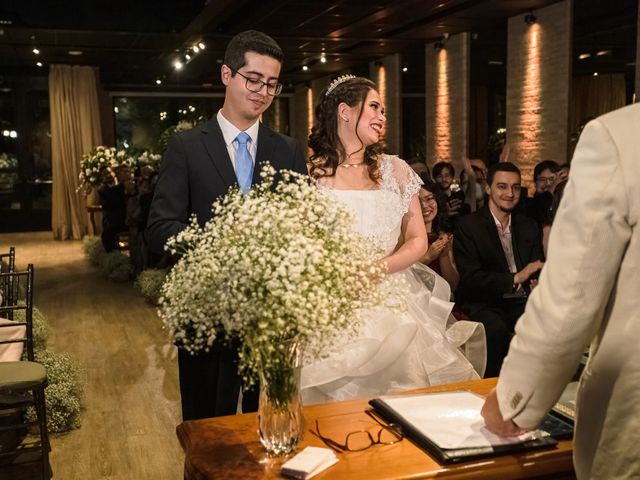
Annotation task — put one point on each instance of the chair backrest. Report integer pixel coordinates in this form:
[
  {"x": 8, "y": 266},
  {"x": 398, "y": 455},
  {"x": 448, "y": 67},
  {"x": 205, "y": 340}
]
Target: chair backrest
[
  {"x": 7, "y": 264},
  {"x": 19, "y": 289}
]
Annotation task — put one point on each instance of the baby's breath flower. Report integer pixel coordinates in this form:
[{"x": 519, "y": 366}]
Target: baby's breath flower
[{"x": 280, "y": 264}]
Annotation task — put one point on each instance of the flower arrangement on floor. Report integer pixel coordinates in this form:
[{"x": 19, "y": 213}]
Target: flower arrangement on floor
[
  {"x": 114, "y": 265},
  {"x": 276, "y": 268},
  {"x": 63, "y": 396},
  {"x": 99, "y": 166},
  {"x": 149, "y": 284}
]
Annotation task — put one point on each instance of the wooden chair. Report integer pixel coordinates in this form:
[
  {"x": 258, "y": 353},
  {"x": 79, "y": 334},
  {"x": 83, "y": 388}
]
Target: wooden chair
[{"x": 22, "y": 383}]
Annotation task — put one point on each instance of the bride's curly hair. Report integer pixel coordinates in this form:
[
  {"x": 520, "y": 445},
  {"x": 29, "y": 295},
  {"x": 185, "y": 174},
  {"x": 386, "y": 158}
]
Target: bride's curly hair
[{"x": 324, "y": 141}]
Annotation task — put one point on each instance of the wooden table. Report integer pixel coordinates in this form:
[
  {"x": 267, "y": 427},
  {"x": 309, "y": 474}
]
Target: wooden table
[{"x": 228, "y": 447}]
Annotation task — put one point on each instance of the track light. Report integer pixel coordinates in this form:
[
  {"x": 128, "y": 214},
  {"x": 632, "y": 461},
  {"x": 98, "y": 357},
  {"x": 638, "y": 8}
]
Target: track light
[{"x": 530, "y": 18}]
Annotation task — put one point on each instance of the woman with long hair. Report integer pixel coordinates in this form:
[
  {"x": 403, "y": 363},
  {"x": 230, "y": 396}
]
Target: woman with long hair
[{"x": 393, "y": 350}]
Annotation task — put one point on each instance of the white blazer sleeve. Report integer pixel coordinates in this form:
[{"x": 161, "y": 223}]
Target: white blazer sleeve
[{"x": 588, "y": 239}]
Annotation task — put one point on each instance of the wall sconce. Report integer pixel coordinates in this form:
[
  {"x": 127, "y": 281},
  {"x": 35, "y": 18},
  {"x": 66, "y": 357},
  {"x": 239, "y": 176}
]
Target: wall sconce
[
  {"x": 439, "y": 45},
  {"x": 530, "y": 18}
]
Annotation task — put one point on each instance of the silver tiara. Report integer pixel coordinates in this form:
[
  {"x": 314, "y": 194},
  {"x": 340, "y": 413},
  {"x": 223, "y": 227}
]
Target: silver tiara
[{"x": 337, "y": 82}]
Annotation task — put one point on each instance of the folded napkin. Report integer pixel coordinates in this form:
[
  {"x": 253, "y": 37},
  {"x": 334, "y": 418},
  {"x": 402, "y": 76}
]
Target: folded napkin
[{"x": 308, "y": 463}]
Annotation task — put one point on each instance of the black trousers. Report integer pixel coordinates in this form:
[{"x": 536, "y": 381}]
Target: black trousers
[
  {"x": 210, "y": 384},
  {"x": 499, "y": 322}
]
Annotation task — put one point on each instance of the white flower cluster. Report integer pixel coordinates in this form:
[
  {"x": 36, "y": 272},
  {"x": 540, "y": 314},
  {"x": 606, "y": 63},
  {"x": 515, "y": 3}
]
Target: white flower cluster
[
  {"x": 150, "y": 158},
  {"x": 280, "y": 264},
  {"x": 8, "y": 161},
  {"x": 99, "y": 161}
]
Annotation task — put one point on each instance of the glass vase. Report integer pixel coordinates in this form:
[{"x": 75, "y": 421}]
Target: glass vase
[{"x": 280, "y": 418}]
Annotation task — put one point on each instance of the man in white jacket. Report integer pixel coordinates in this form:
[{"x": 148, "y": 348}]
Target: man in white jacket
[{"x": 589, "y": 292}]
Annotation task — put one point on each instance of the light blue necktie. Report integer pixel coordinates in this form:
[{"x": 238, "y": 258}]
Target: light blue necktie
[{"x": 244, "y": 162}]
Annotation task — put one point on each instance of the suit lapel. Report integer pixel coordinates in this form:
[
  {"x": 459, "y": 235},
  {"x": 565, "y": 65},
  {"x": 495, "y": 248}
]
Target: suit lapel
[
  {"x": 494, "y": 238},
  {"x": 265, "y": 152},
  {"x": 217, "y": 150}
]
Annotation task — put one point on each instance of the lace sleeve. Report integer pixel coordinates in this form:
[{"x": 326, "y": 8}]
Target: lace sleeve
[{"x": 397, "y": 175}]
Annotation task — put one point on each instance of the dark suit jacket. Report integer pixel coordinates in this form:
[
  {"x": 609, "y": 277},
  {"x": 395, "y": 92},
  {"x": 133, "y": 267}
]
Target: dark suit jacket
[
  {"x": 484, "y": 272},
  {"x": 197, "y": 170}
]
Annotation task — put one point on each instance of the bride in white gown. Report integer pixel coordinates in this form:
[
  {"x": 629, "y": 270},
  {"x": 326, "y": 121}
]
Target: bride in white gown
[{"x": 394, "y": 350}]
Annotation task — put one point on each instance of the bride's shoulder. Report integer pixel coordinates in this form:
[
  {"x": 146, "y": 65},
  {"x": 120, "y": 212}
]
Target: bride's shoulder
[{"x": 392, "y": 166}]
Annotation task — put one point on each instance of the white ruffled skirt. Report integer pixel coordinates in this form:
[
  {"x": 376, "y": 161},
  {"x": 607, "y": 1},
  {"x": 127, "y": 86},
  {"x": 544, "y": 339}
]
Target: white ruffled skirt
[{"x": 401, "y": 350}]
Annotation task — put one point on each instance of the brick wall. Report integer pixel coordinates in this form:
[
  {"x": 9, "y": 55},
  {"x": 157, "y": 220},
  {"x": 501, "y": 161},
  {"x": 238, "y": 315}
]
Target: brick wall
[
  {"x": 447, "y": 101},
  {"x": 386, "y": 74},
  {"x": 538, "y": 79}
]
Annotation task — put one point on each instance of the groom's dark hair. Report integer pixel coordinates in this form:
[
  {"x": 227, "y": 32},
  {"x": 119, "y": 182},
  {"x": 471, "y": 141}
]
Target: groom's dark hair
[{"x": 250, "y": 41}]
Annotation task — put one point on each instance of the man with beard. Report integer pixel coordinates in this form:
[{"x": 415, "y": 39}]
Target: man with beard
[{"x": 498, "y": 254}]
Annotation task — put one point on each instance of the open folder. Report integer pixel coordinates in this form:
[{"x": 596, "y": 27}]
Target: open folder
[{"x": 449, "y": 427}]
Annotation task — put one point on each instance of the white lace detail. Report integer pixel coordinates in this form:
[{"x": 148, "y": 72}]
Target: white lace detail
[{"x": 399, "y": 178}]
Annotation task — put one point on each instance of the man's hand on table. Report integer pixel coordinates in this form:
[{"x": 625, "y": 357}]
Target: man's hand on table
[{"x": 493, "y": 418}]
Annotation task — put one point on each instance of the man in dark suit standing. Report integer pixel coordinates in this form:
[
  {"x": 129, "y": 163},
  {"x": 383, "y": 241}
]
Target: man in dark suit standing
[
  {"x": 497, "y": 253},
  {"x": 199, "y": 166}
]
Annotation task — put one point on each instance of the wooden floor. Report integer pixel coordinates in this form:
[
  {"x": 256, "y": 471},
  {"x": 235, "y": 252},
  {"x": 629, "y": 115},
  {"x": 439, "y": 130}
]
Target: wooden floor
[{"x": 132, "y": 399}]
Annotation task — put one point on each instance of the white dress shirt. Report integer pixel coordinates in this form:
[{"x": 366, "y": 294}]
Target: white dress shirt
[
  {"x": 230, "y": 132},
  {"x": 506, "y": 241}
]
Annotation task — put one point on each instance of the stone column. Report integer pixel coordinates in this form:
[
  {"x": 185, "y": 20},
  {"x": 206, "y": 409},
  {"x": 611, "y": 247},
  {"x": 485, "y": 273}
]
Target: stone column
[
  {"x": 538, "y": 87},
  {"x": 447, "y": 100}
]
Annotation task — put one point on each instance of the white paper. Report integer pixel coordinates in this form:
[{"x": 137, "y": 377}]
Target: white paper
[{"x": 451, "y": 419}]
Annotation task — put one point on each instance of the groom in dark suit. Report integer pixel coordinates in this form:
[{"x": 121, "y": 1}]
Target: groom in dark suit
[
  {"x": 199, "y": 166},
  {"x": 497, "y": 252}
]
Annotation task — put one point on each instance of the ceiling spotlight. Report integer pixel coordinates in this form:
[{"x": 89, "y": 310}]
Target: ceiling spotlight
[
  {"x": 39, "y": 64},
  {"x": 13, "y": 134},
  {"x": 584, "y": 56},
  {"x": 158, "y": 81},
  {"x": 196, "y": 49},
  {"x": 36, "y": 51},
  {"x": 603, "y": 52},
  {"x": 595, "y": 74},
  {"x": 116, "y": 110},
  {"x": 187, "y": 57},
  {"x": 178, "y": 65},
  {"x": 305, "y": 68},
  {"x": 75, "y": 53},
  {"x": 323, "y": 58},
  {"x": 530, "y": 18},
  {"x": 405, "y": 69},
  {"x": 201, "y": 45}
]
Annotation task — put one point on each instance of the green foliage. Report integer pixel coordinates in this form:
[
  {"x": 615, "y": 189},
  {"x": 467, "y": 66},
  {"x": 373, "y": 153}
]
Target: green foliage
[
  {"x": 63, "y": 394},
  {"x": 114, "y": 265},
  {"x": 149, "y": 283},
  {"x": 93, "y": 249}
]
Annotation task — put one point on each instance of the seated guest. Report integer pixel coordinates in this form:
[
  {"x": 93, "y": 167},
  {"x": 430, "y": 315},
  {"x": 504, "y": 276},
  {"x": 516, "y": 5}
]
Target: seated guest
[
  {"x": 498, "y": 253},
  {"x": 445, "y": 176},
  {"x": 539, "y": 206},
  {"x": 439, "y": 256}
]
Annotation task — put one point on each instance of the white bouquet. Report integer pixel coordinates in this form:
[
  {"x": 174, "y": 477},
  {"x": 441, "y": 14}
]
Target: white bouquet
[
  {"x": 279, "y": 265},
  {"x": 151, "y": 159},
  {"x": 101, "y": 163}
]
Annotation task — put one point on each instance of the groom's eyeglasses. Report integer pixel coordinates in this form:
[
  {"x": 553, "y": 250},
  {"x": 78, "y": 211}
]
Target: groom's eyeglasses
[
  {"x": 255, "y": 85},
  {"x": 363, "y": 439}
]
